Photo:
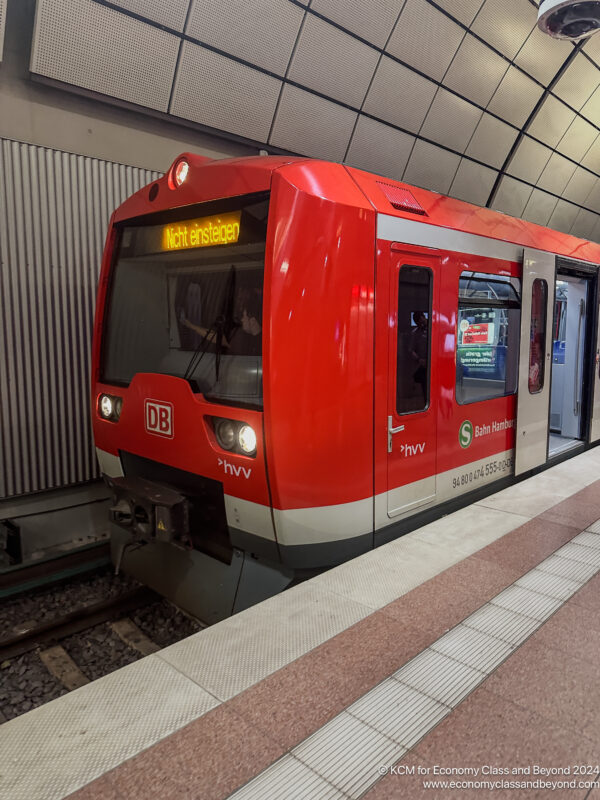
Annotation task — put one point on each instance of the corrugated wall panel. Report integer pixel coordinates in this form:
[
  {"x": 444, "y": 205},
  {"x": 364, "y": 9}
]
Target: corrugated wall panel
[
  {"x": 2, "y": 25},
  {"x": 54, "y": 212}
]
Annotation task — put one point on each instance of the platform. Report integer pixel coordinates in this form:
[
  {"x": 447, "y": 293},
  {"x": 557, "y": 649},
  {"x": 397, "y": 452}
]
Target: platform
[{"x": 470, "y": 643}]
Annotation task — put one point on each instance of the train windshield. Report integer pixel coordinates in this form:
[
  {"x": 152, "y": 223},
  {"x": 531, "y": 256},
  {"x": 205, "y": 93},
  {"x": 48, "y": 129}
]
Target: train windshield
[{"x": 186, "y": 299}]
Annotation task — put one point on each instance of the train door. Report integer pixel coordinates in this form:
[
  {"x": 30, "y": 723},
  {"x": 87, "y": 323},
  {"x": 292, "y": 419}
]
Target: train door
[
  {"x": 411, "y": 390},
  {"x": 533, "y": 400},
  {"x": 567, "y": 419}
]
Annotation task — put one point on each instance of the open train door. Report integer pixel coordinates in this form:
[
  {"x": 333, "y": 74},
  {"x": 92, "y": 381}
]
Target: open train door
[{"x": 533, "y": 401}]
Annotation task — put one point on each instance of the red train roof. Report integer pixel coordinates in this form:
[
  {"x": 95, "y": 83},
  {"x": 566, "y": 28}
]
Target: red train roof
[{"x": 340, "y": 183}]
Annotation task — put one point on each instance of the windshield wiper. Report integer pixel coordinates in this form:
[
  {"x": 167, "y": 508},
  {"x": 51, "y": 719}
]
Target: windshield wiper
[
  {"x": 228, "y": 323},
  {"x": 223, "y": 323},
  {"x": 201, "y": 349}
]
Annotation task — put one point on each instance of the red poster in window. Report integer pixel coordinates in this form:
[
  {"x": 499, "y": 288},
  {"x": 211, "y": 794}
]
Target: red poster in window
[{"x": 476, "y": 333}]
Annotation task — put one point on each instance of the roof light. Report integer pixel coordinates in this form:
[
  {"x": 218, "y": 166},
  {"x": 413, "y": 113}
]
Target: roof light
[{"x": 180, "y": 172}]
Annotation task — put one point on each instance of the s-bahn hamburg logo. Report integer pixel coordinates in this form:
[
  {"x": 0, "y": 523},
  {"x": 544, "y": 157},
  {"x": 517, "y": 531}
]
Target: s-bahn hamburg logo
[
  {"x": 159, "y": 418},
  {"x": 465, "y": 434}
]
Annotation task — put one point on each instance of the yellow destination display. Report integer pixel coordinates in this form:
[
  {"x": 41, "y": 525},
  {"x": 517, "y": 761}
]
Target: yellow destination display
[{"x": 203, "y": 232}]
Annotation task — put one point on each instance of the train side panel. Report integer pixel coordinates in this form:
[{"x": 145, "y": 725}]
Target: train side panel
[{"x": 319, "y": 366}]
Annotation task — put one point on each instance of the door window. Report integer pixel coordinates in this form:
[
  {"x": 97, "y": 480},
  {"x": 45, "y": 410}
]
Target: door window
[
  {"x": 537, "y": 336},
  {"x": 414, "y": 339}
]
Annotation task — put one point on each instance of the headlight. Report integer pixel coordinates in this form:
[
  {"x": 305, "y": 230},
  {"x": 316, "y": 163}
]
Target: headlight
[
  {"x": 247, "y": 439},
  {"x": 106, "y": 406},
  {"x": 225, "y": 432},
  {"x": 234, "y": 436},
  {"x": 109, "y": 407}
]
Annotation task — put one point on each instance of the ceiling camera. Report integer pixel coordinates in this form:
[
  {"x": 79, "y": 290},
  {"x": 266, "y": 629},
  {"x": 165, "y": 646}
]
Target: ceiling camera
[{"x": 569, "y": 19}]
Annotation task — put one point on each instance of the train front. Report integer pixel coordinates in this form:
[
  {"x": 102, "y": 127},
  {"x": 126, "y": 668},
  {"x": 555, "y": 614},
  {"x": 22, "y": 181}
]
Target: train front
[{"x": 177, "y": 388}]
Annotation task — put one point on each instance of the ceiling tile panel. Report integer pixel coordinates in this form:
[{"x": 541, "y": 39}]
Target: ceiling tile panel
[
  {"x": 557, "y": 173},
  {"x": 213, "y": 90},
  {"x": 372, "y": 21},
  {"x": 515, "y": 98},
  {"x": 579, "y": 82},
  {"x": 584, "y": 224},
  {"x": 265, "y": 38},
  {"x": 578, "y": 139},
  {"x": 432, "y": 168},
  {"x": 425, "y": 38},
  {"x": 462, "y": 10},
  {"x": 378, "y": 148},
  {"x": 400, "y": 96},
  {"x": 542, "y": 57},
  {"x": 580, "y": 186},
  {"x": 171, "y": 14},
  {"x": 100, "y": 49},
  {"x": 312, "y": 126},
  {"x": 505, "y": 24},
  {"x": 476, "y": 71},
  {"x": 333, "y": 63},
  {"x": 591, "y": 109},
  {"x": 529, "y": 160},
  {"x": 491, "y": 141},
  {"x": 539, "y": 207},
  {"x": 592, "y": 48},
  {"x": 593, "y": 199},
  {"x": 591, "y": 159},
  {"x": 511, "y": 197},
  {"x": 595, "y": 237},
  {"x": 551, "y": 122},
  {"x": 473, "y": 182},
  {"x": 451, "y": 121},
  {"x": 563, "y": 216}
]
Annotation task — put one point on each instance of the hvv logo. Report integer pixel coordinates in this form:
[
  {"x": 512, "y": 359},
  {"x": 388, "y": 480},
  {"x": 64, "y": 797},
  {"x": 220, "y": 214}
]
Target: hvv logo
[
  {"x": 231, "y": 469},
  {"x": 159, "y": 418}
]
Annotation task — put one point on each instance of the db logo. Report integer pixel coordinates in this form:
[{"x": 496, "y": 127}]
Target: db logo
[{"x": 159, "y": 418}]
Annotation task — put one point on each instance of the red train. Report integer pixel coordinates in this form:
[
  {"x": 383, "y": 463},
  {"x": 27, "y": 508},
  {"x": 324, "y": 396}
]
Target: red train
[{"x": 295, "y": 361}]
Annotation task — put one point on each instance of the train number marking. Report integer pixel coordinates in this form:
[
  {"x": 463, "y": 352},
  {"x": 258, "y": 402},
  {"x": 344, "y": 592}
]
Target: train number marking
[
  {"x": 232, "y": 469},
  {"x": 159, "y": 418}
]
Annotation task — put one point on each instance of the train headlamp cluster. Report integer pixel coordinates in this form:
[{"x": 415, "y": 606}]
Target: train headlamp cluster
[
  {"x": 109, "y": 407},
  {"x": 235, "y": 436}
]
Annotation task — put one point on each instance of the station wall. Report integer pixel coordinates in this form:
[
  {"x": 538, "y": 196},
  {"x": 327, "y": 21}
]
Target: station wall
[
  {"x": 54, "y": 210},
  {"x": 66, "y": 162}
]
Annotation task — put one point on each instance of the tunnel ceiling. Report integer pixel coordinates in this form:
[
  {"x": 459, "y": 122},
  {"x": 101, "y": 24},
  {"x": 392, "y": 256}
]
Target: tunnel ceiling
[{"x": 465, "y": 97}]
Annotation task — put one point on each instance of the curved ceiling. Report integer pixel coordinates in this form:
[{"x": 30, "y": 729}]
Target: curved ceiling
[{"x": 465, "y": 97}]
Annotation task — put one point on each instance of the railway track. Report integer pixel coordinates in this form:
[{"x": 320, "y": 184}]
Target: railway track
[
  {"x": 59, "y": 637},
  {"x": 29, "y": 636},
  {"x": 42, "y": 573}
]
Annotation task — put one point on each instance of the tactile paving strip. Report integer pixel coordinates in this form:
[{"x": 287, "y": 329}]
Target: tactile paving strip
[
  {"x": 440, "y": 677},
  {"x": 376, "y": 730},
  {"x": 551, "y": 585},
  {"x": 573, "y": 570},
  {"x": 473, "y": 648},
  {"x": 595, "y": 528},
  {"x": 346, "y": 752},
  {"x": 291, "y": 779},
  {"x": 502, "y": 623},
  {"x": 523, "y": 601},
  {"x": 397, "y": 711},
  {"x": 578, "y": 552}
]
